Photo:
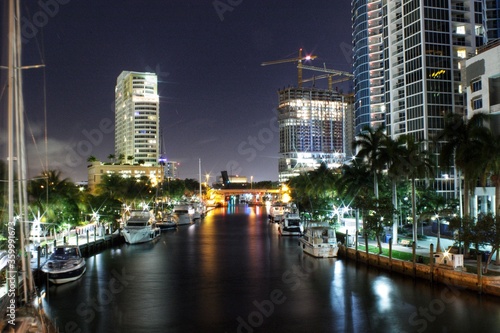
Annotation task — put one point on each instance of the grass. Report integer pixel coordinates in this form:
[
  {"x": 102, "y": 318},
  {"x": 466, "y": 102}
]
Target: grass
[{"x": 409, "y": 257}]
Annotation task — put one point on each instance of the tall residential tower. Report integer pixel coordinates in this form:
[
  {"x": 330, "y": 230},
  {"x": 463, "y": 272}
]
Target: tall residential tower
[
  {"x": 419, "y": 47},
  {"x": 137, "y": 118}
]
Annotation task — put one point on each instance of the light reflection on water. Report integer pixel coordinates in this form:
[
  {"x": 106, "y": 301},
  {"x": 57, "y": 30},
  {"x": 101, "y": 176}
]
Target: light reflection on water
[{"x": 232, "y": 271}]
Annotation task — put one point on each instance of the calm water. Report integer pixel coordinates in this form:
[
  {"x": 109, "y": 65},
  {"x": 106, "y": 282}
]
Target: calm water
[{"x": 232, "y": 272}]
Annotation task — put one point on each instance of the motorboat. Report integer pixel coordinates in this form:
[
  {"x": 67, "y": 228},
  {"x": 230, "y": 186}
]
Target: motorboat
[
  {"x": 65, "y": 264},
  {"x": 183, "y": 213},
  {"x": 167, "y": 222},
  {"x": 199, "y": 210},
  {"x": 319, "y": 240},
  {"x": 140, "y": 227},
  {"x": 291, "y": 224},
  {"x": 277, "y": 212}
]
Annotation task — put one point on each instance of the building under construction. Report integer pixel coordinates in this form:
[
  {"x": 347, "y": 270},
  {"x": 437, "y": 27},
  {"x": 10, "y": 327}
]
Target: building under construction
[{"x": 315, "y": 127}]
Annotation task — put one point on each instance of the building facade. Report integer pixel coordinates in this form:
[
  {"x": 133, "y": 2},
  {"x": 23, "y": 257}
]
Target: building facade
[
  {"x": 312, "y": 130},
  {"x": 482, "y": 83},
  {"x": 368, "y": 64},
  {"x": 137, "y": 118},
  {"x": 97, "y": 170},
  {"x": 419, "y": 46}
]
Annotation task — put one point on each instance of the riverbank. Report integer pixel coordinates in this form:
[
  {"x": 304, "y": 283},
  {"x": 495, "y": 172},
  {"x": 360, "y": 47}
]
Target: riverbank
[{"x": 424, "y": 267}]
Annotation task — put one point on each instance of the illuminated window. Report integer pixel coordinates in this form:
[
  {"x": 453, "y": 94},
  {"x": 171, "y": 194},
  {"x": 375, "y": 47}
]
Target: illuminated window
[
  {"x": 462, "y": 53},
  {"x": 461, "y": 30}
]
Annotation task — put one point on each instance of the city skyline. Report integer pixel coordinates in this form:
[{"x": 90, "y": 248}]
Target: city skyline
[{"x": 216, "y": 101}]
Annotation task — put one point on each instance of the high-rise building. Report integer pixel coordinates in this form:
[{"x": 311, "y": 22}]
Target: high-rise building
[
  {"x": 418, "y": 45},
  {"x": 312, "y": 130},
  {"x": 481, "y": 81},
  {"x": 368, "y": 66},
  {"x": 491, "y": 20},
  {"x": 137, "y": 118}
]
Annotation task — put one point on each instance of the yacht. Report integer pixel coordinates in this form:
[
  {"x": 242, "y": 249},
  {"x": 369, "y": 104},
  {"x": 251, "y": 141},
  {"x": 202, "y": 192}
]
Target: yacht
[
  {"x": 277, "y": 212},
  {"x": 199, "y": 210},
  {"x": 183, "y": 212},
  {"x": 65, "y": 264},
  {"x": 167, "y": 222},
  {"x": 291, "y": 225},
  {"x": 140, "y": 227},
  {"x": 319, "y": 240}
]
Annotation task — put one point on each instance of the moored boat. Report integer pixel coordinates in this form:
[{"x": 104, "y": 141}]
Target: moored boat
[
  {"x": 183, "y": 213},
  {"x": 319, "y": 240},
  {"x": 291, "y": 224},
  {"x": 140, "y": 227},
  {"x": 167, "y": 222},
  {"x": 65, "y": 264},
  {"x": 277, "y": 212}
]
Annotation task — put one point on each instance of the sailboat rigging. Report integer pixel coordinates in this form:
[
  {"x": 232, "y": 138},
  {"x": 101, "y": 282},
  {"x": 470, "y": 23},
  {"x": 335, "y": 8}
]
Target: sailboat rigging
[{"x": 17, "y": 175}]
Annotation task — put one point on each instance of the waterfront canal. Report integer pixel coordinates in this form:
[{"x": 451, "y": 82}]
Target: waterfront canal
[{"x": 232, "y": 272}]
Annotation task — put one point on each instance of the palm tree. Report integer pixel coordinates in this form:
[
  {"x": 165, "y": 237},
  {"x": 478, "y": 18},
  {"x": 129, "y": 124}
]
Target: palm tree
[
  {"x": 112, "y": 157},
  {"x": 392, "y": 151},
  {"x": 91, "y": 159},
  {"x": 355, "y": 183},
  {"x": 370, "y": 147},
  {"x": 464, "y": 138},
  {"x": 313, "y": 189},
  {"x": 414, "y": 163},
  {"x": 112, "y": 186},
  {"x": 57, "y": 197}
]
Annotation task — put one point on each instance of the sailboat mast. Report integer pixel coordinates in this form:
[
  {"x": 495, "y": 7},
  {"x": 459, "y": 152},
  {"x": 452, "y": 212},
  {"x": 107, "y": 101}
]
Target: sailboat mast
[
  {"x": 16, "y": 144},
  {"x": 199, "y": 177}
]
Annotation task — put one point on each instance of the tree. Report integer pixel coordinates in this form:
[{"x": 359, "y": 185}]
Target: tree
[
  {"x": 464, "y": 227},
  {"x": 379, "y": 214},
  {"x": 355, "y": 183},
  {"x": 112, "y": 157},
  {"x": 314, "y": 190},
  {"x": 111, "y": 186},
  {"x": 56, "y": 197},
  {"x": 464, "y": 138},
  {"x": 121, "y": 158},
  {"x": 91, "y": 159},
  {"x": 392, "y": 151},
  {"x": 432, "y": 203},
  {"x": 370, "y": 147},
  {"x": 488, "y": 232},
  {"x": 414, "y": 163}
]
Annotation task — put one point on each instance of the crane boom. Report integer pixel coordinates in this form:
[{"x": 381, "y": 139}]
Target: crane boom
[
  {"x": 326, "y": 70},
  {"x": 299, "y": 60}
]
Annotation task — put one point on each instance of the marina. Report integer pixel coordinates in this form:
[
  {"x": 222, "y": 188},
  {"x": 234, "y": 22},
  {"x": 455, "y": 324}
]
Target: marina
[{"x": 232, "y": 272}]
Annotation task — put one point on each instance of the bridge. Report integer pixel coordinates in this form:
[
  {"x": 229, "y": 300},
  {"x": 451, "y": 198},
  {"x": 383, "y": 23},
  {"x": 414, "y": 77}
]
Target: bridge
[{"x": 243, "y": 195}]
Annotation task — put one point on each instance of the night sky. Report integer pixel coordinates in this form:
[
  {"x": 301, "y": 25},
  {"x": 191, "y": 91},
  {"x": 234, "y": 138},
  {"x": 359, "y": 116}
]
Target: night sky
[{"x": 217, "y": 103}]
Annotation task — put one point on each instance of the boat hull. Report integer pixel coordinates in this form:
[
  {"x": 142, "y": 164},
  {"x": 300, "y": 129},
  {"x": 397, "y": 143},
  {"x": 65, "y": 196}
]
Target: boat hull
[
  {"x": 184, "y": 219},
  {"x": 166, "y": 225},
  {"x": 289, "y": 231},
  {"x": 140, "y": 235},
  {"x": 67, "y": 276},
  {"x": 323, "y": 250}
]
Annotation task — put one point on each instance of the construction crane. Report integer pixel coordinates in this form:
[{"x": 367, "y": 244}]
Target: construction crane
[
  {"x": 345, "y": 76},
  {"x": 299, "y": 60}
]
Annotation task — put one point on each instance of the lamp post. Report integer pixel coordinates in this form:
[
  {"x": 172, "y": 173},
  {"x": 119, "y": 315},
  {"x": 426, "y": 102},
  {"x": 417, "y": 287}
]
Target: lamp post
[{"x": 251, "y": 182}]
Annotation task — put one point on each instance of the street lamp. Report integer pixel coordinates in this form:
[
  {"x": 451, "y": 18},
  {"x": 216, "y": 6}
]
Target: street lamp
[
  {"x": 251, "y": 182},
  {"x": 207, "y": 176}
]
